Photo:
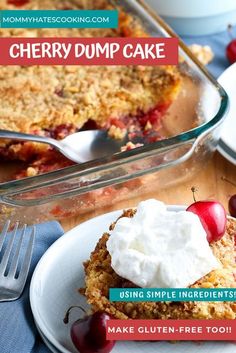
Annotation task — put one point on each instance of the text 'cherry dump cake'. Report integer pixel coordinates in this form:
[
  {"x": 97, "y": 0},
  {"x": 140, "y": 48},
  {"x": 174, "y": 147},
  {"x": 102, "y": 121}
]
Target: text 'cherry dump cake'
[{"x": 59, "y": 100}]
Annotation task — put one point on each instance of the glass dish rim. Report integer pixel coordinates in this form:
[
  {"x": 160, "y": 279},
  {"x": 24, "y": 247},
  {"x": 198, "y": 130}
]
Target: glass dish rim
[{"x": 137, "y": 153}]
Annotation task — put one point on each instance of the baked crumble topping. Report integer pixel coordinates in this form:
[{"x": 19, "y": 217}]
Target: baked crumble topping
[
  {"x": 203, "y": 53},
  {"x": 39, "y": 97}
]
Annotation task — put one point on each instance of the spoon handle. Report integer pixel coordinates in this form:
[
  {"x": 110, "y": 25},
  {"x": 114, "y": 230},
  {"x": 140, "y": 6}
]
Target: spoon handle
[{"x": 27, "y": 137}]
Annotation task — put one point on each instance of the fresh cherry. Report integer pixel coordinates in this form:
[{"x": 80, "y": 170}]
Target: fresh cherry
[
  {"x": 231, "y": 51},
  {"x": 231, "y": 48},
  {"x": 88, "y": 334},
  {"x": 232, "y": 206},
  {"x": 212, "y": 216},
  {"x": 232, "y": 200}
]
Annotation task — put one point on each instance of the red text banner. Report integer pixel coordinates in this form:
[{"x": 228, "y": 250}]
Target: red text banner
[
  {"x": 165, "y": 330},
  {"x": 88, "y": 51}
]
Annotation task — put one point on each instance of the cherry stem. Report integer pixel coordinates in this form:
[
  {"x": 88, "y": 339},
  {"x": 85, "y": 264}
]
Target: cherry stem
[
  {"x": 66, "y": 318},
  {"x": 228, "y": 181},
  {"x": 230, "y": 27},
  {"x": 194, "y": 190}
]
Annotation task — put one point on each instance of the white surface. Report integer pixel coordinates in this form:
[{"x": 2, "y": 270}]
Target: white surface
[
  {"x": 193, "y": 8},
  {"x": 54, "y": 288},
  {"x": 228, "y": 81},
  {"x": 160, "y": 248},
  {"x": 196, "y": 17}
]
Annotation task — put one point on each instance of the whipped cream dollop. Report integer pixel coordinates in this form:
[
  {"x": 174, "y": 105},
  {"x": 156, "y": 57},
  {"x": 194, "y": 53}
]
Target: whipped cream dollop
[{"x": 160, "y": 248}]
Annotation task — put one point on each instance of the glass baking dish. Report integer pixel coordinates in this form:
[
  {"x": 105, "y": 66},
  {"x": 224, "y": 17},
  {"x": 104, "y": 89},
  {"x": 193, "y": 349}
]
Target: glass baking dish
[{"x": 82, "y": 188}]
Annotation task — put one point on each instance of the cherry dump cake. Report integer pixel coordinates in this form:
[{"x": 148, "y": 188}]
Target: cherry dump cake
[
  {"x": 216, "y": 271},
  {"x": 59, "y": 100}
]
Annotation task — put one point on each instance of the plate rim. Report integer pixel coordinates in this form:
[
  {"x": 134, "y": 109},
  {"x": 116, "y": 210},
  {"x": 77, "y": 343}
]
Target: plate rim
[
  {"x": 33, "y": 281},
  {"x": 63, "y": 238},
  {"x": 46, "y": 341},
  {"x": 224, "y": 150}
]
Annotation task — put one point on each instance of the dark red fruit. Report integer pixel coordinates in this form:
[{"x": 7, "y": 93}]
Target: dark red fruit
[
  {"x": 212, "y": 216},
  {"x": 231, "y": 51},
  {"x": 232, "y": 206},
  {"x": 18, "y": 3},
  {"x": 89, "y": 333},
  {"x": 231, "y": 47},
  {"x": 232, "y": 200}
]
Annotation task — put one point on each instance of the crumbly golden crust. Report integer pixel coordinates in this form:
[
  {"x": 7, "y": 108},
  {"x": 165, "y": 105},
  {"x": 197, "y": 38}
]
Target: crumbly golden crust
[
  {"x": 42, "y": 97},
  {"x": 99, "y": 277},
  {"x": 39, "y": 97}
]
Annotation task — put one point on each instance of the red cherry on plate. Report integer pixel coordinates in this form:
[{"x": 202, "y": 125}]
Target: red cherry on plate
[
  {"x": 232, "y": 206},
  {"x": 89, "y": 333},
  {"x": 212, "y": 216}
]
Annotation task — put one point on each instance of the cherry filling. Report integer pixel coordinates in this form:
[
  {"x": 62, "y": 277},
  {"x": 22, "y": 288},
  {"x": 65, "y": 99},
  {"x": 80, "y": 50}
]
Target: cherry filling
[
  {"x": 61, "y": 131},
  {"x": 142, "y": 121},
  {"x": 90, "y": 125},
  {"x": 144, "y": 126},
  {"x": 18, "y": 3},
  {"x": 153, "y": 117}
]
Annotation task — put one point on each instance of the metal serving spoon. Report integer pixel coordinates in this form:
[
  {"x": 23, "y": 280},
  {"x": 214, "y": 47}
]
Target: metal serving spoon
[{"x": 79, "y": 147}]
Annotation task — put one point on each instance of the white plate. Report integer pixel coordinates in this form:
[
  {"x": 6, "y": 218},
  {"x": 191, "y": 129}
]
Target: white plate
[
  {"x": 54, "y": 289},
  {"x": 47, "y": 343},
  {"x": 226, "y": 152},
  {"x": 228, "y": 135}
]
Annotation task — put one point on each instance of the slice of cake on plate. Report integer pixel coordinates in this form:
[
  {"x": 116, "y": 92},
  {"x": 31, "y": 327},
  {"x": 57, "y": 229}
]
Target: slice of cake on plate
[{"x": 153, "y": 247}]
